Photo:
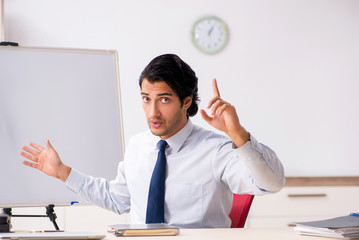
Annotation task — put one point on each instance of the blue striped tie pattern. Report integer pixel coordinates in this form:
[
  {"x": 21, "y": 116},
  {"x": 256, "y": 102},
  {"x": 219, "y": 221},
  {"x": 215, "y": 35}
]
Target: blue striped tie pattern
[{"x": 156, "y": 194}]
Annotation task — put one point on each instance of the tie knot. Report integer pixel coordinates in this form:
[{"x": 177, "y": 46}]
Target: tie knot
[{"x": 162, "y": 145}]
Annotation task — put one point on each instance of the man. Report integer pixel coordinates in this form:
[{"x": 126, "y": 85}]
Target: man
[{"x": 203, "y": 169}]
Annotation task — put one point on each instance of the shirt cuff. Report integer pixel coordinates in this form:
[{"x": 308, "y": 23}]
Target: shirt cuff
[
  {"x": 250, "y": 149},
  {"x": 75, "y": 180}
]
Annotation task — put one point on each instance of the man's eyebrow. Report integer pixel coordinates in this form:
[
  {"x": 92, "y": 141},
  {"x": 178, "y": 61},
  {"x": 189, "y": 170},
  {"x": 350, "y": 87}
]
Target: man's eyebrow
[
  {"x": 164, "y": 94},
  {"x": 160, "y": 94}
]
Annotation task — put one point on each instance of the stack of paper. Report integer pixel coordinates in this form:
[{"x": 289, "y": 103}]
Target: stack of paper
[
  {"x": 346, "y": 227},
  {"x": 161, "y": 229}
]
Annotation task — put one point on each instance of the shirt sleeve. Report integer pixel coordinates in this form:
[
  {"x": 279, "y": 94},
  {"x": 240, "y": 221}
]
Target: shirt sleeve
[
  {"x": 112, "y": 195},
  {"x": 263, "y": 164},
  {"x": 250, "y": 169}
]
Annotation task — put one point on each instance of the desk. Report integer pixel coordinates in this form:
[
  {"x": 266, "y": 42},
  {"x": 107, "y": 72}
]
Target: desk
[{"x": 229, "y": 234}]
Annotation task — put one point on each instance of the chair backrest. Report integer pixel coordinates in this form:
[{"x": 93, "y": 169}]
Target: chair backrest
[{"x": 240, "y": 208}]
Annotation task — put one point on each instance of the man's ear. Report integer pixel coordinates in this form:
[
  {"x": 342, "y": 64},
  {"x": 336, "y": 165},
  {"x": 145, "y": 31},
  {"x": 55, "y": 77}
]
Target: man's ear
[{"x": 187, "y": 101}]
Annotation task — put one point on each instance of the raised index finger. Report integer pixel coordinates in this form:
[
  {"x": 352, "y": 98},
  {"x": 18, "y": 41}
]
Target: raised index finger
[{"x": 215, "y": 88}]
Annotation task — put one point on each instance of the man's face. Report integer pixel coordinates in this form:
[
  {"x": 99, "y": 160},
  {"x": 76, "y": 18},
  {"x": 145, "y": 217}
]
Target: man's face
[{"x": 164, "y": 113}]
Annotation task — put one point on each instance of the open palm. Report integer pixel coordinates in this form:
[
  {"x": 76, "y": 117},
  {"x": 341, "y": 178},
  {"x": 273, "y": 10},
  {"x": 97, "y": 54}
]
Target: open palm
[{"x": 45, "y": 160}]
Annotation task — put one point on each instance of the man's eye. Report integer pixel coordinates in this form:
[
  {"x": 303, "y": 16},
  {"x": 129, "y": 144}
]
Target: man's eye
[
  {"x": 165, "y": 100},
  {"x": 145, "y": 99}
]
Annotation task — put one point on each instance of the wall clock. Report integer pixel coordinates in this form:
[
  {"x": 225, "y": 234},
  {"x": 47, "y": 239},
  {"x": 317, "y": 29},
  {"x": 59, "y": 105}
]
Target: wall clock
[{"x": 210, "y": 34}]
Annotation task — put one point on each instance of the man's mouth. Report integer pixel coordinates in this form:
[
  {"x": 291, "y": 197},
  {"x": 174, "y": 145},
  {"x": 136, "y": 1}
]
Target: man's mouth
[{"x": 156, "y": 124}]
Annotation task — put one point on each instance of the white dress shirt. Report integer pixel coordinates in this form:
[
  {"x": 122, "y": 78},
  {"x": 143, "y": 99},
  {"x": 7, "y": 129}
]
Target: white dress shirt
[{"x": 203, "y": 172}]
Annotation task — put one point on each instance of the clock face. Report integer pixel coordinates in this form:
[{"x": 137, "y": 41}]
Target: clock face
[{"x": 210, "y": 34}]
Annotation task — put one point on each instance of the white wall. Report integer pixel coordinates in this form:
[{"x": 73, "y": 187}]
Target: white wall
[
  {"x": 288, "y": 47},
  {"x": 284, "y": 61}
]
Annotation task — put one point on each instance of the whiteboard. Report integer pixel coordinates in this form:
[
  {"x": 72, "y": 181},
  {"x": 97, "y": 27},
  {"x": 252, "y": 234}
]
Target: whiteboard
[{"x": 70, "y": 96}]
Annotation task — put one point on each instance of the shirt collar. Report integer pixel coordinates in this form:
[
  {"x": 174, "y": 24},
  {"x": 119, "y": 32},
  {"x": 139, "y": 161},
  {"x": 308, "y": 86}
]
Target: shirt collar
[{"x": 177, "y": 140}]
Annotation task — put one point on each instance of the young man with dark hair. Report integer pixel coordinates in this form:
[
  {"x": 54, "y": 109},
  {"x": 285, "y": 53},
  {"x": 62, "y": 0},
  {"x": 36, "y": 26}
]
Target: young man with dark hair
[
  {"x": 176, "y": 172},
  {"x": 175, "y": 73}
]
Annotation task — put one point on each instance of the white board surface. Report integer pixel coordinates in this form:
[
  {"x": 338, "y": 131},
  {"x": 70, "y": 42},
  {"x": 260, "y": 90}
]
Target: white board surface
[{"x": 69, "y": 96}]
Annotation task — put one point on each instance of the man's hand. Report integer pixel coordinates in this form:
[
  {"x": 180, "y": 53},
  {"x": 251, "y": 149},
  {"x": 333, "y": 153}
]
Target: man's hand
[
  {"x": 45, "y": 160},
  {"x": 224, "y": 118}
]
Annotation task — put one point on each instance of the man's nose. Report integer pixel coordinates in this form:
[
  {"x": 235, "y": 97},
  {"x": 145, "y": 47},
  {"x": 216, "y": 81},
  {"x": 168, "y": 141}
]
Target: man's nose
[{"x": 154, "y": 110}]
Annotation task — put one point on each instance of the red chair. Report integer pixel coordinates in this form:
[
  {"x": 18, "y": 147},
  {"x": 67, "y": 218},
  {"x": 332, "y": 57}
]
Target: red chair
[{"x": 240, "y": 208}]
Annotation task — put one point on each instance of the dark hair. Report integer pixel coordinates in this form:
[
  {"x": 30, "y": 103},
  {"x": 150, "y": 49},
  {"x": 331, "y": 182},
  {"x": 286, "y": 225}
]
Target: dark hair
[{"x": 172, "y": 70}]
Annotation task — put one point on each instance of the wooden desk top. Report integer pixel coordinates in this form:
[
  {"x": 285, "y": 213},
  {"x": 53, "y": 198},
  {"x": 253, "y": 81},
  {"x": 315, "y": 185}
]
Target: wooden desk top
[{"x": 229, "y": 234}]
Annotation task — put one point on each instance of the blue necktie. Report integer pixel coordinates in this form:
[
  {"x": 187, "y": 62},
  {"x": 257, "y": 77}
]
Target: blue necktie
[{"x": 156, "y": 194}]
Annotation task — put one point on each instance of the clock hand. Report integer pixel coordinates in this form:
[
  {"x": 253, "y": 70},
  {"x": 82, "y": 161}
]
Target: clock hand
[{"x": 210, "y": 30}]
